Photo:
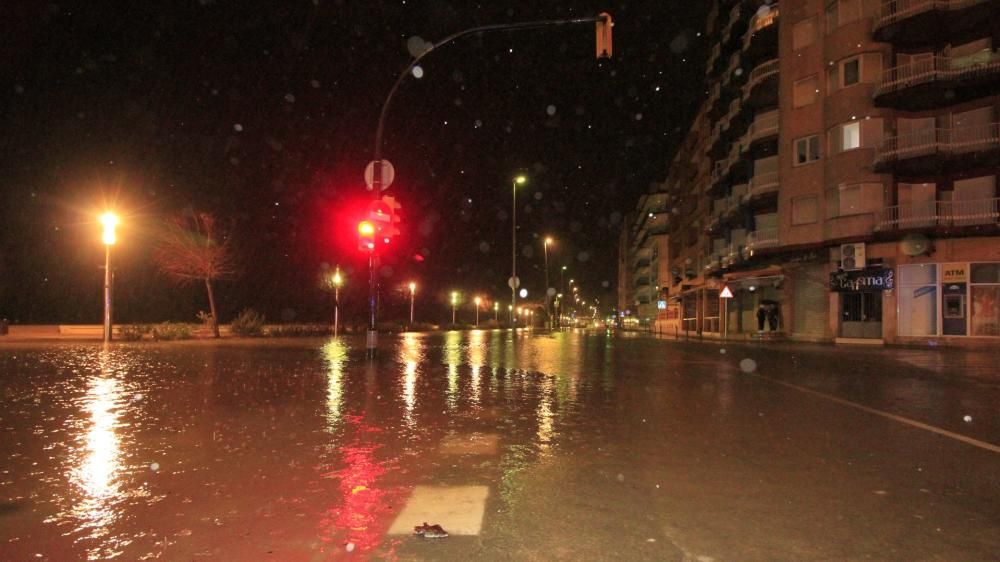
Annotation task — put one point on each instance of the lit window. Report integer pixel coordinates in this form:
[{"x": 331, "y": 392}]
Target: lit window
[{"x": 851, "y": 136}]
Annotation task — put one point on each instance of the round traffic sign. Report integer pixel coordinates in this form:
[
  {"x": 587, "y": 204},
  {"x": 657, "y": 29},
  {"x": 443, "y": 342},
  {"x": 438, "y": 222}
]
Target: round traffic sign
[
  {"x": 513, "y": 282},
  {"x": 388, "y": 174}
]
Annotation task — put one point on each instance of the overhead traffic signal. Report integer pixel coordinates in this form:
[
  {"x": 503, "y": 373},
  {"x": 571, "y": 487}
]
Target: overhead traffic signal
[
  {"x": 383, "y": 216},
  {"x": 366, "y": 236}
]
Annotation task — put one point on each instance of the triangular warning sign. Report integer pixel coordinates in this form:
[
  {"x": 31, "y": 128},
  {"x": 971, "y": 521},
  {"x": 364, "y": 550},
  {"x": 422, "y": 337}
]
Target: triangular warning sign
[{"x": 726, "y": 293}]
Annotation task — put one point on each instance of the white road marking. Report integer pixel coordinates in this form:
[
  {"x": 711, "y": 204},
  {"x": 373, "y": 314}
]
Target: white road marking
[
  {"x": 894, "y": 417},
  {"x": 458, "y": 509}
]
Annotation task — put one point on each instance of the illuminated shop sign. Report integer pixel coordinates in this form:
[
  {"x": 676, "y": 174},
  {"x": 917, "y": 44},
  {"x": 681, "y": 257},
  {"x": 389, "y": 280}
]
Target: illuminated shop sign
[{"x": 868, "y": 280}]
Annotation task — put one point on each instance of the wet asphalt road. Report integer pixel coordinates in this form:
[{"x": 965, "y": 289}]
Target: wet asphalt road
[{"x": 588, "y": 447}]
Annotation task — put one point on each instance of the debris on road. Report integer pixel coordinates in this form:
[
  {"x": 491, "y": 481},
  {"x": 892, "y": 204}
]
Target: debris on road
[{"x": 430, "y": 531}]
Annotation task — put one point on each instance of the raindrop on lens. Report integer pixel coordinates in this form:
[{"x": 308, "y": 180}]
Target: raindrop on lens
[
  {"x": 967, "y": 419},
  {"x": 551, "y": 110},
  {"x": 154, "y": 467},
  {"x": 418, "y": 72},
  {"x": 748, "y": 365}
]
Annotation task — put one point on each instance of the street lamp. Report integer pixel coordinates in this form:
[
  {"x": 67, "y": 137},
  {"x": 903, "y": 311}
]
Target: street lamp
[
  {"x": 338, "y": 280},
  {"x": 413, "y": 291},
  {"x": 519, "y": 180},
  {"x": 496, "y": 313},
  {"x": 454, "y": 303},
  {"x": 478, "y": 301},
  {"x": 510, "y": 313},
  {"x": 545, "y": 246},
  {"x": 109, "y": 220}
]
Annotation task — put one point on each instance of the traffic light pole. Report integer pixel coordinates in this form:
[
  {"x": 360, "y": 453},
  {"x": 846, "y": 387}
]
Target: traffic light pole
[{"x": 371, "y": 341}]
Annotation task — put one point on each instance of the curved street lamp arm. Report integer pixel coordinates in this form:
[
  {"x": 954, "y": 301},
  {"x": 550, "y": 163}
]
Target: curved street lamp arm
[{"x": 377, "y": 179}]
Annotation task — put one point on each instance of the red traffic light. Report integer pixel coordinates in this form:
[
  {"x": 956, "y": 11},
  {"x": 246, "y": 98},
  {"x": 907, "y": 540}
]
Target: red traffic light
[{"x": 366, "y": 236}]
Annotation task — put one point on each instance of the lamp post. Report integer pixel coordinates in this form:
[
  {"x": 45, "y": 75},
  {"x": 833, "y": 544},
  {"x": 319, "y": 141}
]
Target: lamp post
[
  {"x": 338, "y": 280},
  {"x": 413, "y": 292},
  {"x": 454, "y": 303},
  {"x": 510, "y": 313},
  {"x": 496, "y": 313},
  {"x": 478, "y": 301},
  {"x": 545, "y": 246},
  {"x": 519, "y": 180},
  {"x": 109, "y": 220}
]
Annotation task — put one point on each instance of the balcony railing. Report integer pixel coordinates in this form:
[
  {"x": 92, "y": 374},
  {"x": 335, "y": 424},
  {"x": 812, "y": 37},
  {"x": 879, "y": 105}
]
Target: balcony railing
[
  {"x": 730, "y": 71},
  {"x": 713, "y": 262},
  {"x": 940, "y": 213},
  {"x": 762, "y": 72},
  {"x": 934, "y": 69},
  {"x": 732, "y": 254},
  {"x": 716, "y": 52},
  {"x": 763, "y": 126},
  {"x": 957, "y": 140},
  {"x": 734, "y": 16},
  {"x": 760, "y": 239},
  {"x": 758, "y": 23},
  {"x": 762, "y": 184},
  {"x": 897, "y": 10}
]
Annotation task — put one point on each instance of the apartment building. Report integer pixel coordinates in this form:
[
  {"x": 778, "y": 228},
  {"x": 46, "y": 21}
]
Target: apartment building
[
  {"x": 643, "y": 265},
  {"x": 840, "y": 179}
]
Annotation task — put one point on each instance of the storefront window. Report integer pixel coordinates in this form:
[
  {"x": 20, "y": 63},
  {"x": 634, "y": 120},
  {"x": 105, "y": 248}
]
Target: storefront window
[
  {"x": 985, "y": 299},
  {"x": 918, "y": 298}
]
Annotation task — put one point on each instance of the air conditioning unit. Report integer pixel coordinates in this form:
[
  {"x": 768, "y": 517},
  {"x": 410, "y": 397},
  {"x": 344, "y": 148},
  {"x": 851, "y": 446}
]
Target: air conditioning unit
[{"x": 852, "y": 256}]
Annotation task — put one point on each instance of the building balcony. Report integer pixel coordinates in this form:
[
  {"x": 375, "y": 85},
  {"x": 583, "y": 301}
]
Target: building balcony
[
  {"x": 761, "y": 89},
  {"x": 940, "y": 214},
  {"x": 732, "y": 254},
  {"x": 641, "y": 282},
  {"x": 936, "y": 150},
  {"x": 764, "y": 128},
  {"x": 915, "y": 22},
  {"x": 939, "y": 81},
  {"x": 760, "y": 240},
  {"x": 761, "y": 37},
  {"x": 762, "y": 185},
  {"x": 712, "y": 263},
  {"x": 712, "y": 57}
]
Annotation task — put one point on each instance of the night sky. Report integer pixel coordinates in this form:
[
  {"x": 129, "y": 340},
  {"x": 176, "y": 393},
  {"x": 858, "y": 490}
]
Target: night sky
[{"x": 264, "y": 114}]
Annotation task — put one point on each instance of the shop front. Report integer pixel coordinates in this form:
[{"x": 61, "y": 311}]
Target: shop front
[
  {"x": 953, "y": 299},
  {"x": 860, "y": 301}
]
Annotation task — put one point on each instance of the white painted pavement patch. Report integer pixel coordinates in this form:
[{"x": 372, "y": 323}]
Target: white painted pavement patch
[{"x": 458, "y": 509}]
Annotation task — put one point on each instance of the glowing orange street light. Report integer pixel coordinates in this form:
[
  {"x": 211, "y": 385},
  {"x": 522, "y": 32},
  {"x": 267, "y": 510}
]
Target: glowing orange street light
[
  {"x": 109, "y": 221},
  {"x": 478, "y": 301},
  {"x": 338, "y": 280},
  {"x": 413, "y": 291}
]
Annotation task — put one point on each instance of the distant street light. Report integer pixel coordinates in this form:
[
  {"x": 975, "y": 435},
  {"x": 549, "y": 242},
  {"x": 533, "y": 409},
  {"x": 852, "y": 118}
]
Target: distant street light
[
  {"x": 454, "y": 303},
  {"x": 478, "y": 301},
  {"x": 109, "y": 220},
  {"x": 545, "y": 246},
  {"x": 338, "y": 280},
  {"x": 413, "y": 291},
  {"x": 496, "y": 313},
  {"x": 519, "y": 180}
]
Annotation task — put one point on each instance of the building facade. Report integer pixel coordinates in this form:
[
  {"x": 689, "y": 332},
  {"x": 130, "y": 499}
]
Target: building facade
[{"x": 840, "y": 180}]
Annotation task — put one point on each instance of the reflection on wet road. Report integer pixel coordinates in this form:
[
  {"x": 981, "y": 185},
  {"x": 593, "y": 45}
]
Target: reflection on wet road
[{"x": 528, "y": 446}]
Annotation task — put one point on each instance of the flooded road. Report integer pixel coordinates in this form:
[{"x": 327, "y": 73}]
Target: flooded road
[{"x": 566, "y": 446}]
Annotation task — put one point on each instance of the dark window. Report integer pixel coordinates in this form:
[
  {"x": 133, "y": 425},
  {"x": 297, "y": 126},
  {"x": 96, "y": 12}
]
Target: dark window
[
  {"x": 852, "y": 72},
  {"x": 807, "y": 150},
  {"x": 986, "y": 273}
]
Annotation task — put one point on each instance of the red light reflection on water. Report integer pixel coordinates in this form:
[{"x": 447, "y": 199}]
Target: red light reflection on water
[{"x": 364, "y": 513}]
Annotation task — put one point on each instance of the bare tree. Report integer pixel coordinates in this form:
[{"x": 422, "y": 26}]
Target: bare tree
[{"x": 191, "y": 250}]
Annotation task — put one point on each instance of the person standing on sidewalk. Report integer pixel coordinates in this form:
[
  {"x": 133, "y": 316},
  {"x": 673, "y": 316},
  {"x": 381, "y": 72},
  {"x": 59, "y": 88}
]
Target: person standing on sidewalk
[{"x": 761, "y": 316}]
